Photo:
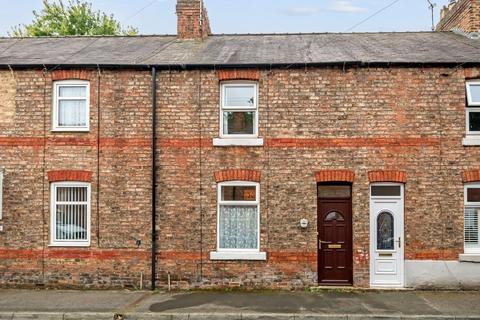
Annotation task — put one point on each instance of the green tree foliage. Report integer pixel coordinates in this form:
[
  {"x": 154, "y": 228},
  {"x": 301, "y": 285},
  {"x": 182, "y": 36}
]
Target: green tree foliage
[{"x": 72, "y": 19}]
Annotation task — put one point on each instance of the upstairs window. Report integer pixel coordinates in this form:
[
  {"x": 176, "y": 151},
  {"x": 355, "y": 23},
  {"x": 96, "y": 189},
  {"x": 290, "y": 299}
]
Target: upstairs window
[
  {"x": 472, "y": 215},
  {"x": 70, "y": 214},
  {"x": 473, "y": 108},
  {"x": 239, "y": 110},
  {"x": 1, "y": 193},
  {"x": 71, "y": 105}
]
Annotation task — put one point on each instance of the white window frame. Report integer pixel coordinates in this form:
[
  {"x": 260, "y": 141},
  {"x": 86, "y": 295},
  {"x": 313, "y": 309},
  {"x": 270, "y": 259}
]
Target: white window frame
[
  {"x": 467, "y": 204},
  {"x": 254, "y": 108},
  {"x": 469, "y": 93},
  {"x": 238, "y": 254},
  {"x": 399, "y": 197},
  {"x": 1, "y": 193},
  {"x": 53, "y": 195},
  {"x": 56, "y": 97}
]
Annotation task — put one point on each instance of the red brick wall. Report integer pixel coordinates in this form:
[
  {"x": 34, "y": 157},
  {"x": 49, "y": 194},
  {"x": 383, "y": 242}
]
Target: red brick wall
[
  {"x": 398, "y": 119},
  {"x": 464, "y": 15},
  {"x": 118, "y": 146},
  {"x": 313, "y": 120},
  {"x": 192, "y": 20}
]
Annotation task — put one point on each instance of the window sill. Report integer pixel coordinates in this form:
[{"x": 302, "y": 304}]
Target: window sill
[
  {"x": 232, "y": 142},
  {"x": 469, "y": 257},
  {"x": 258, "y": 256},
  {"x": 71, "y": 130},
  {"x": 471, "y": 141},
  {"x": 70, "y": 244}
]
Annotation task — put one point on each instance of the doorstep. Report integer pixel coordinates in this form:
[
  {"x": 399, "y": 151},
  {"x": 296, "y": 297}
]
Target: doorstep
[{"x": 351, "y": 288}]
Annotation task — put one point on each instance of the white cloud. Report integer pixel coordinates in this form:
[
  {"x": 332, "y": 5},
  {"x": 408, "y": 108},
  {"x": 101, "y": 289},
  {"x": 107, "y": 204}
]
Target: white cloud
[
  {"x": 302, "y": 11},
  {"x": 345, "y": 6}
]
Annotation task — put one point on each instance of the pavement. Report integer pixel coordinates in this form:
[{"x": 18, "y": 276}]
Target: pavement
[{"x": 261, "y": 305}]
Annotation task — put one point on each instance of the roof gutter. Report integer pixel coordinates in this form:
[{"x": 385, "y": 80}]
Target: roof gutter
[{"x": 247, "y": 65}]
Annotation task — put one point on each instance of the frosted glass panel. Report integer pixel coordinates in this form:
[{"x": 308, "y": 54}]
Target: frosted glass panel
[
  {"x": 73, "y": 92},
  {"x": 385, "y": 231}
]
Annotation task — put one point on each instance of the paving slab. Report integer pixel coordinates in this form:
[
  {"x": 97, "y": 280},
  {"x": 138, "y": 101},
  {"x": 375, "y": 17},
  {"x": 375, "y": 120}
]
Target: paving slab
[
  {"x": 212, "y": 305},
  {"x": 391, "y": 303}
]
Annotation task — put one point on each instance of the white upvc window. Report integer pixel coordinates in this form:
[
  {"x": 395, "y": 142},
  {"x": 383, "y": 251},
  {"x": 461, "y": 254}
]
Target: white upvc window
[
  {"x": 472, "y": 113},
  {"x": 70, "y": 214},
  {"x": 1, "y": 193},
  {"x": 239, "y": 114},
  {"x": 238, "y": 222},
  {"x": 472, "y": 215},
  {"x": 71, "y": 106}
]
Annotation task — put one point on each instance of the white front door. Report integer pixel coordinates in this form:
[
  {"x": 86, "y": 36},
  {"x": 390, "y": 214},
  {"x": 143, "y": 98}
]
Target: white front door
[{"x": 386, "y": 235}]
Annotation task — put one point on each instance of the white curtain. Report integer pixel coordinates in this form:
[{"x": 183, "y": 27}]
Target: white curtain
[
  {"x": 73, "y": 92},
  {"x": 71, "y": 113},
  {"x": 238, "y": 227}
]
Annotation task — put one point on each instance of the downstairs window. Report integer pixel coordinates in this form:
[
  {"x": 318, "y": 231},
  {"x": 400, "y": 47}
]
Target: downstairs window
[
  {"x": 471, "y": 223},
  {"x": 70, "y": 214}
]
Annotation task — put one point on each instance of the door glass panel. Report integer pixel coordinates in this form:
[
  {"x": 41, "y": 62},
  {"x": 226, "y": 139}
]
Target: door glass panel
[
  {"x": 334, "y": 191},
  {"x": 385, "y": 233},
  {"x": 334, "y": 216},
  {"x": 473, "y": 194},
  {"x": 386, "y": 191}
]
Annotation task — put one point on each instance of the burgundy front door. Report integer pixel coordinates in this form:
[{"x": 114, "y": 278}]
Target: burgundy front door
[{"x": 335, "y": 239}]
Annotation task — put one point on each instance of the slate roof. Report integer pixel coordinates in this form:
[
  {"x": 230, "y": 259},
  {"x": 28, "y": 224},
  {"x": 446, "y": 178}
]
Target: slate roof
[{"x": 243, "y": 50}]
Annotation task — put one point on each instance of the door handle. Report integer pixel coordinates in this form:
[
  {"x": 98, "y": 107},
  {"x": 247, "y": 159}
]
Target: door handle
[
  {"x": 399, "y": 242},
  {"x": 320, "y": 243}
]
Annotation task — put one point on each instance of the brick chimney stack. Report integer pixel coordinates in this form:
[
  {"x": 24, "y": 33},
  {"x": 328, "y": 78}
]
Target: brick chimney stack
[
  {"x": 192, "y": 20},
  {"x": 462, "y": 15}
]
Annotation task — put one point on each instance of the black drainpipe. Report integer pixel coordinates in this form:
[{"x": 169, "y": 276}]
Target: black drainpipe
[{"x": 154, "y": 175}]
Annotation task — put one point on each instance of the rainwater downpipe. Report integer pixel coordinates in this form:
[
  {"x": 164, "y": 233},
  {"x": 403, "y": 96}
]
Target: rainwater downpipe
[{"x": 154, "y": 175}]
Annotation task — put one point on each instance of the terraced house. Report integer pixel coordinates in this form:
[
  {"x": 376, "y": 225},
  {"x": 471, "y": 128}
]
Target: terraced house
[{"x": 265, "y": 160}]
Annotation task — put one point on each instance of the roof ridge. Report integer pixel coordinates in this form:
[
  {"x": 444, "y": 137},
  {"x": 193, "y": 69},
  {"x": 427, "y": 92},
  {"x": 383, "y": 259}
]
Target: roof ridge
[{"x": 227, "y": 34}]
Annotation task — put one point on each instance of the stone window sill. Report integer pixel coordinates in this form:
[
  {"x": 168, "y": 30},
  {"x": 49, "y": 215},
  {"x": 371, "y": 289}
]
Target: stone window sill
[
  {"x": 259, "y": 256},
  {"x": 471, "y": 141},
  {"x": 469, "y": 257},
  {"x": 242, "y": 142},
  {"x": 69, "y": 244}
]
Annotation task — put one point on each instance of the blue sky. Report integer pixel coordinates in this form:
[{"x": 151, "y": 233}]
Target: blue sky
[{"x": 253, "y": 16}]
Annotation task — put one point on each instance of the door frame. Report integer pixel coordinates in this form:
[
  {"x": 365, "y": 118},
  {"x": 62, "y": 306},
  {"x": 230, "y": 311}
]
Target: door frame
[
  {"x": 373, "y": 231},
  {"x": 349, "y": 236}
]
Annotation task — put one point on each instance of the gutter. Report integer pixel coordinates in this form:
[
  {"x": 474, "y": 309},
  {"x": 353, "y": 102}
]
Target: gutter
[
  {"x": 248, "y": 65},
  {"x": 154, "y": 176}
]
